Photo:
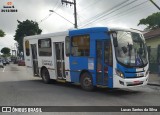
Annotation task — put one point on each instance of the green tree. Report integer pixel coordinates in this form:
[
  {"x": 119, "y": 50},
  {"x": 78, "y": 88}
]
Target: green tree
[
  {"x": 25, "y": 28},
  {"x": 5, "y": 51},
  {"x": 152, "y": 21},
  {"x": 2, "y": 34}
]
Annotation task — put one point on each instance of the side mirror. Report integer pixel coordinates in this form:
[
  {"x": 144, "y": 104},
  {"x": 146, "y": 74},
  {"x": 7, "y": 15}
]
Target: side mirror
[{"x": 115, "y": 41}]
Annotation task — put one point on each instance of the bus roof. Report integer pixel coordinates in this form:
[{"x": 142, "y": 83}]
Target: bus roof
[
  {"x": 64, "y": 33},
  {"x": 80, "y": 31},
  {"x": 99, "y": 29},
  {"x": 125, "y": 29},
  {"x": 88, "y": 30}
]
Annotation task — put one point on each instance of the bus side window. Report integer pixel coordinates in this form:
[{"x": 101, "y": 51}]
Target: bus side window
[
  {"x": 27, "y": 48},
  {"x": 44, "y": 47},
  {"x": 67, "y": 45},
  {"x": 108, "y": 54},
  {"x": 80, "y": 45}
]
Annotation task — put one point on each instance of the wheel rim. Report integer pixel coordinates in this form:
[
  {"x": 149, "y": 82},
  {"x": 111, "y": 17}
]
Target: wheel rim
[
  {"x": 45, "y": 75},
  {"x": 87, "y": 81}
]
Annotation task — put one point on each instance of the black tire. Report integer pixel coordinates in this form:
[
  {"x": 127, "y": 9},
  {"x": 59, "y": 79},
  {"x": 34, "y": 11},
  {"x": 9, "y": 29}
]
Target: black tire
[
  {"x": 45, "y": 76},
  {"x": 86, "y": 81}
]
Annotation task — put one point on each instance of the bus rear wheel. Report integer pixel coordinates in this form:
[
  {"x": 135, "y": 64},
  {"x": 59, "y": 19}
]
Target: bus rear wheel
[
  {"x": 45, "y": 76},
  {"x": 86, "y": 82}
]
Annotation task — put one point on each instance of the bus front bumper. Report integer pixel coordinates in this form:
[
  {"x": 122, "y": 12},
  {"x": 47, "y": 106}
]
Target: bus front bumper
[{"x": 129, "y": 82}]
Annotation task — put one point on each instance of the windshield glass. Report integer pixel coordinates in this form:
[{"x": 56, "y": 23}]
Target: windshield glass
[{"x": 131, "y": 49}]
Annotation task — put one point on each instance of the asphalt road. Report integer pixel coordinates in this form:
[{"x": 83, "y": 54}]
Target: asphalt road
[{"x": 18, "y": 88}]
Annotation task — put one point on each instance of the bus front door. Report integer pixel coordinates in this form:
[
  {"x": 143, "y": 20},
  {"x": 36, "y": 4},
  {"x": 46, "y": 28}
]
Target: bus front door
[
  {"x": 60, "y": 67},
  {"x": 35, "y": 60},
  {"x": 104, "y": 62}
]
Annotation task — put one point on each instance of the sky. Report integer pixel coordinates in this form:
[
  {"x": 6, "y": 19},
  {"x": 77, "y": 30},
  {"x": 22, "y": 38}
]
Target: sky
[{"x": 90, "y": 13}]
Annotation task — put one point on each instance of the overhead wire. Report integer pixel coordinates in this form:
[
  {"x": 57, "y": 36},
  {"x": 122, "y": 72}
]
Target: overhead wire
[
  {"x": 126, "y": 13},
  {"x": 111, "y": 11},
  {"x": 106, "y": 11},
  {"x": 120, "y": 13},
  {"x": 102, "y": 16},
  {"x": 89, "y": 5},
  {"x": 54, "y": 8}
]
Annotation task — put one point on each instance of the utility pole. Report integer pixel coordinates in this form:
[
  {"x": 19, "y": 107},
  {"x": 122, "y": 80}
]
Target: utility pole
[
  {"x": 155, "y": 4},
  {"x": 75, "y": 10}
]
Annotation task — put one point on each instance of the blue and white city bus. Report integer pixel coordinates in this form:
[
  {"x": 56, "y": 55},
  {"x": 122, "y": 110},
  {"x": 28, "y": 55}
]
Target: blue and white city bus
[{"x": 111, "y": 57}]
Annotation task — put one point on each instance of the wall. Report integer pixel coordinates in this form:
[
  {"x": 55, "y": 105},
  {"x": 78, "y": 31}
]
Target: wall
[{"x": 153, "y": 42}]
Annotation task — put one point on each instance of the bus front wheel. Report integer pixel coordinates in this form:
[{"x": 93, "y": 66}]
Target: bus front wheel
[
  {"x": 86, "y": 81},
  {"x": 45, "y": 76}
]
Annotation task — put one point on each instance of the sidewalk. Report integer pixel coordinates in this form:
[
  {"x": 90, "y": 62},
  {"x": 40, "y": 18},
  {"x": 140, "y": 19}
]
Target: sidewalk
[{"x": 154, "y": 80}]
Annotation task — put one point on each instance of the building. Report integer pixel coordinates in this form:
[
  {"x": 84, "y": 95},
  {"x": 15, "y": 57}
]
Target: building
[
  {"x": 153, "y": 44},
  {"x": 153, "y": 38}
]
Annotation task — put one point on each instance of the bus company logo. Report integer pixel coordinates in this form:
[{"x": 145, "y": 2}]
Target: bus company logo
[
  {"x": 9, "y": 7},
  {"x": 20, "y": 109},
  {"x": 47, "y": 62},
  {"x": 6, "y": 109}
]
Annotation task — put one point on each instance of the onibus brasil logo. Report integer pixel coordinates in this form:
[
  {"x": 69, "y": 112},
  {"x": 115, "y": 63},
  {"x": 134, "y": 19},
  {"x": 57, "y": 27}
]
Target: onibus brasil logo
[{"x": 9, "y": 7}]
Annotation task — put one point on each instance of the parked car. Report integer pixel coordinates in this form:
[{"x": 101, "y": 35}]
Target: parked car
[
  {"x": 15, "y": 61},
  {"x": 7, "y": 62},
  {"x": 4, "y": 62},
  {"x": 1, "y": 64},
  {"x": 21, "y": 63}
]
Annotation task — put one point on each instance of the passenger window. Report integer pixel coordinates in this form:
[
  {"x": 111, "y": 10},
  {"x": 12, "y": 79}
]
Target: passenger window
[
  {"x": 80, "y": 45},
  {"x": 44, "y": 47},
  {"x": 27, "y": 48},
  {"x": 108, "y": 53},
  {"x": 67, "y": 45}
]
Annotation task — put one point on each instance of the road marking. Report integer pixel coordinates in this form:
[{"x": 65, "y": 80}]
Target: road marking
[{"x": 3, "y": 69}]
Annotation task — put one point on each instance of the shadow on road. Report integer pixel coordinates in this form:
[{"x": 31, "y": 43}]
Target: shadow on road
[
  {"x": 37, "y": 84},
  {"x": 106, "y": 91}
]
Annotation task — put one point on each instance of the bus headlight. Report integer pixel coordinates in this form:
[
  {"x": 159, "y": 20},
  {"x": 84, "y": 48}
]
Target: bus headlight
[{"x": 119, "y": 73}]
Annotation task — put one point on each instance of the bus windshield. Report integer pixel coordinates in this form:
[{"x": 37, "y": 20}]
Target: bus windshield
[{"x": 131, "y": 49}]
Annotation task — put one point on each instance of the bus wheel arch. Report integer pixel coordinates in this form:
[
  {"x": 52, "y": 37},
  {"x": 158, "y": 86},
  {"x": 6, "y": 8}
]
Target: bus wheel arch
[
  {"x": 86, "y": 80},
  {"x": 45, "y": 75}
]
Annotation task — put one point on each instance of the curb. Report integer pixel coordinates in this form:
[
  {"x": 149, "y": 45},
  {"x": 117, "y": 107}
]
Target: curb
[{"x": 153, "y": 84}]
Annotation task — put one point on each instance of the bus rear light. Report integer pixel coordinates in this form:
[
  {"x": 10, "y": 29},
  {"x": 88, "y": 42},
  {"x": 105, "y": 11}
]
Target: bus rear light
[{"x": 106, "y": 70}]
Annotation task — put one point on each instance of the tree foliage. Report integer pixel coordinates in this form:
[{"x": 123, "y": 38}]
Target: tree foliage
[
  {"x": 2, "y": 34},
  {"x": 5, "y": 51},
  {"x": 25, "y": 28},
  {"x": 152, "y": 21}
]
